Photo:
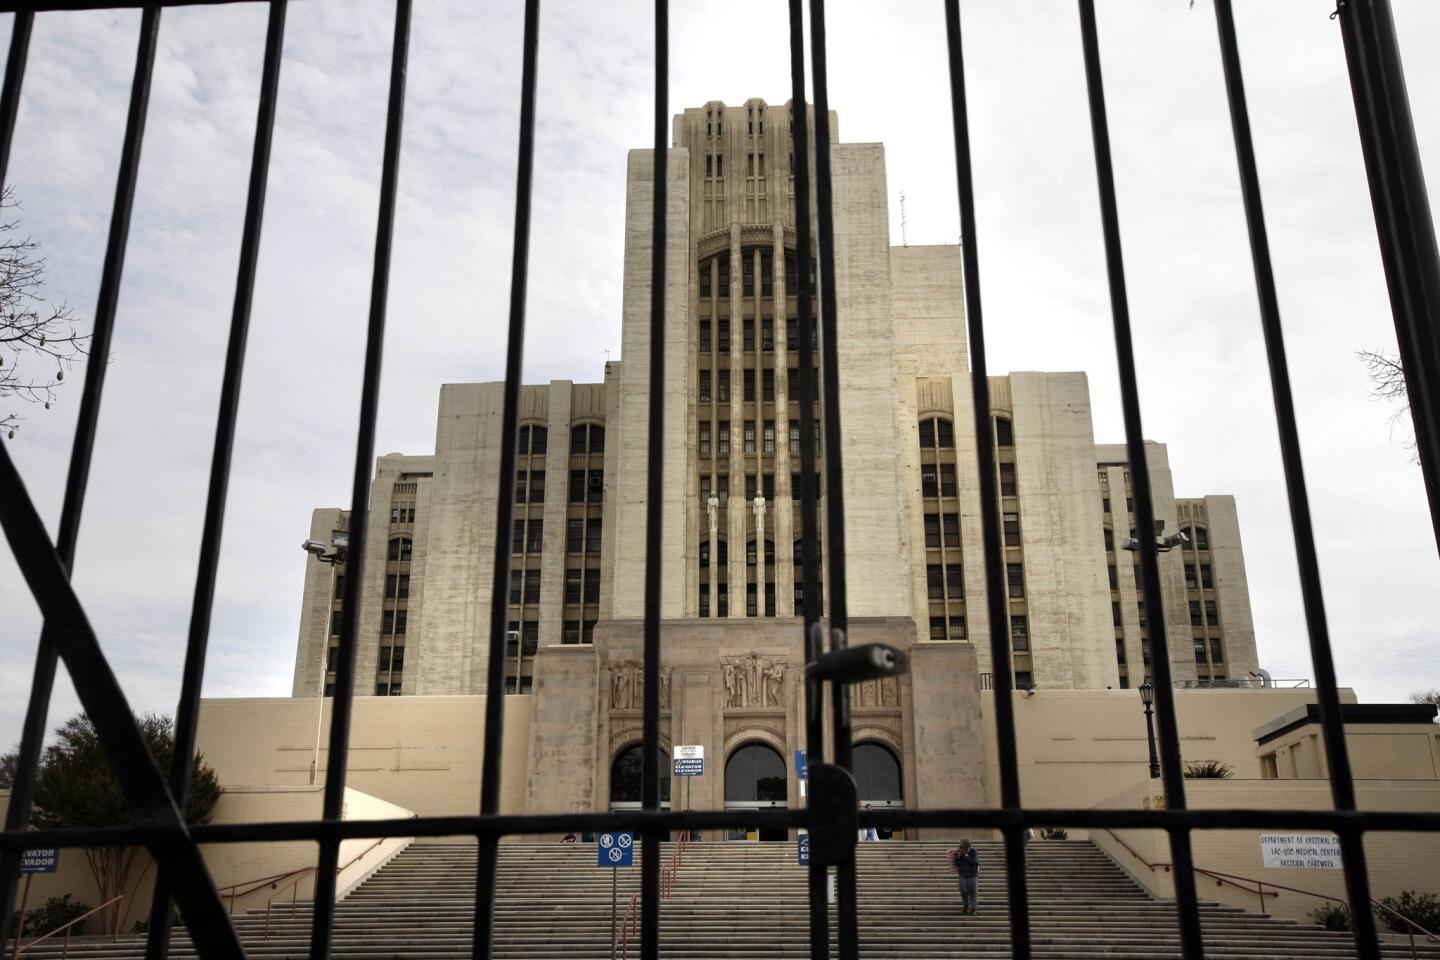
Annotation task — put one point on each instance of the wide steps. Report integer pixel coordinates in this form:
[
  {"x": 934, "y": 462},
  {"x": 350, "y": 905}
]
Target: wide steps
[{"x": 750, "y": 901}]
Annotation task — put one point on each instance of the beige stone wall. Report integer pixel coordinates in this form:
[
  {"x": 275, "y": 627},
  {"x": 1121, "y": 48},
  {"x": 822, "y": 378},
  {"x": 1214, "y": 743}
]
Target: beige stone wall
[
  {"x": 1378, "y": 751},
  {"x": 1075, "y": 746},
  {"x": 628, "y": 434},
  {"x": 1395, "y": 861},
  {"x": 422, "y": 753}
]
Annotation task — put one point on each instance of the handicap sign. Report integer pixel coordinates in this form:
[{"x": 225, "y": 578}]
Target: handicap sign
[
  {"x": 615, "y": 850},
  {"x": 802, "y": 849},
  {"x": 799, "y": 764},
  {"x": 40, "y": 860},
  {"x": 689, "y": 761}
]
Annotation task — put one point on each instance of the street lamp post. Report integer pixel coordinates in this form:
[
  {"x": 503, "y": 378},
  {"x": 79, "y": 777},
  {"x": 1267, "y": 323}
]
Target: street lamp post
[
  {"x": 332, "y": 554},
  {"x": 1147, "y": 697}
]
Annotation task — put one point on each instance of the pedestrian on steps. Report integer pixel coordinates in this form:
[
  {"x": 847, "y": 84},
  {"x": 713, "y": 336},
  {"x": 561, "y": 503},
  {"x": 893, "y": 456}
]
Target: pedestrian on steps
[{"x": 966, "y": 864}]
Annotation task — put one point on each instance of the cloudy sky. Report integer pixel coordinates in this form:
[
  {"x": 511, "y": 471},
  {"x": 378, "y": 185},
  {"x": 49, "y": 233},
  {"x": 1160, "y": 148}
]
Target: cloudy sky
[{"x": 1203, "y": 380}]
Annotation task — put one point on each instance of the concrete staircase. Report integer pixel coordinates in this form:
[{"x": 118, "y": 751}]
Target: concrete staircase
[{"x": 737, "y": 900}]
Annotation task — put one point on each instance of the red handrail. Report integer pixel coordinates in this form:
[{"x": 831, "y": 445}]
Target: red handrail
[
  {"x": 1259, "y": 890},
  {"x": 631, "y": 921},
  {"x": 294, "y": 885},
  {"x": 114, "y": 933}
]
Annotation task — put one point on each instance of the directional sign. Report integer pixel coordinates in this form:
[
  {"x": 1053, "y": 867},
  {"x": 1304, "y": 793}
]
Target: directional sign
[
  {"x": 689, "y": 761},
  {"x": 615, "y": 850},
  {"x": 40, "y": 860},
  {"x": 802, "y": 849},
  {"x": 799, "y": 764}
]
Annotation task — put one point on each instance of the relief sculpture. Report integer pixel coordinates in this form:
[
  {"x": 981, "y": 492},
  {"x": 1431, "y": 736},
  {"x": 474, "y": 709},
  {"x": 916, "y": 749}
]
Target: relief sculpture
[
  {"x": 884, "y": 692},
  {"x": 627, "y": 686},
  {"x": 753, "y": 681}
]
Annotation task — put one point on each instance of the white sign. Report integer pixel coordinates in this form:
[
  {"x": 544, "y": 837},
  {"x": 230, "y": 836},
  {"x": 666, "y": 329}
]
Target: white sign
[
  {"x": 1300, "y": 851},
  {"x": 696, "y": 752}
]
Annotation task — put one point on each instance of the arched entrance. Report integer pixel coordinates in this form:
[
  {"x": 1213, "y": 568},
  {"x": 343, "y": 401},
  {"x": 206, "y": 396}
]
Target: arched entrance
[
  {"x": 877, "y": 780},
  {"x": 627, "y": 778},
  {"x": 755, "y": 778}
]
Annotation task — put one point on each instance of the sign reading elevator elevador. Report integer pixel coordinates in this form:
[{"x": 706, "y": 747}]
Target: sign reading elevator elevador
[
  {"x": 615, "y": 850},
  {"x": 1300, "y": 851},
  {"x": 689, "y": 761}
]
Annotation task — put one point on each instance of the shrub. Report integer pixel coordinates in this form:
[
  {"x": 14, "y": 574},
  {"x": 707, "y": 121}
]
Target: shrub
[
  {"x": 1208, "y": 770},
  {"x": 1332, "y": 916},
  {"x": 1054, "y": 833},
  {"x": 55, "y": 912},
  {"x": 1423, "y": 908}
]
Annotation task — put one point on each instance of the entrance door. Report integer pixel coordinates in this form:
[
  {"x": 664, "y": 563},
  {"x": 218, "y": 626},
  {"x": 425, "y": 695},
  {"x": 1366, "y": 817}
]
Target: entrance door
[
  {"x": 627, "y": 779},
  {"x": 755, "y": 779},
  {"x": 877, "y": 781}
]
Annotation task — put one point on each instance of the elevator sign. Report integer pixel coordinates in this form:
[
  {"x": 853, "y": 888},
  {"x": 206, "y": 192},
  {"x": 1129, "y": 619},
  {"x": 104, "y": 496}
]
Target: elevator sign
[
  {"x": 615, "y": 850},
  {"x": 690, "y": 761}
]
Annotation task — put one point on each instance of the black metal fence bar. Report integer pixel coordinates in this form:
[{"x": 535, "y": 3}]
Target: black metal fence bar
[
  {"x": 1402, "y": 218},
  {"x": 491, "y": 761},
  {"x": 847, "y": 930},
  {"x": 341, "y": 707},
  {"x": 809, "y": 505},
  {"x": 187, "y": 714},
  {"x": 17, "y": 814},
  {"x": 1174, "y": 782},
  {"x": 1407, "y": 244},
  {"x": 42, "y": 683},
  {"x": 20, "y": 29},
  {"x": 995, "y": 587},
  {"x": 141, "y": 782},
  {"x": 654, "y": 492},
  {"x": 1230, "y": 818},
  {"x": 1353, "y": 851}
]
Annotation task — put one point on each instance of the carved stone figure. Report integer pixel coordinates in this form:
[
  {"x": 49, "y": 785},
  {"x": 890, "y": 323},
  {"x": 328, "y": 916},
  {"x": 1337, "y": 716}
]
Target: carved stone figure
[
  {"x": 752, "y": 681},
  {"x": 619, "y": 688},
  {"x": 774, "y": 683},
  {"x": 890, "y": 691},
  {"x": 665, "y": 673}
]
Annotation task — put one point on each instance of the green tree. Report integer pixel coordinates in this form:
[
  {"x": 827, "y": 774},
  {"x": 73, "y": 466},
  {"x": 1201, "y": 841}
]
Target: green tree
[{"x": 77, "y": 788}]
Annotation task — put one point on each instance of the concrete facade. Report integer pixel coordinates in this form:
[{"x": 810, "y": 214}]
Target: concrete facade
[{"x": 730, "y": 512}]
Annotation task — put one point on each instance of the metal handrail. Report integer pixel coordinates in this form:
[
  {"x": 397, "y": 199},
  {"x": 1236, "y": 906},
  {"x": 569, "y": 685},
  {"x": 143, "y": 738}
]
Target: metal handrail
[
  {"x": 114, "y": 933},
  {"x": 1259, "y": 890},
  {"x": 294, "y": 885},
  {"x": 631, "y": 921},
  {"x": 272, "y": 880}
]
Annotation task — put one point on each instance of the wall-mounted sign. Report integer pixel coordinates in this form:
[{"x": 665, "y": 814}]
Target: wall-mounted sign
[{"x": 1300, "y": 851}]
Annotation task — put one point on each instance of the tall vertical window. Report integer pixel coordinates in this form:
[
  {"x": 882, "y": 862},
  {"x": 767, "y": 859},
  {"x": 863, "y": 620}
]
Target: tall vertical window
[
  {"x": 722, "y": 334},
  {"x": 705, "y": 438},
  {"x": 769, "y": 439},
  {"x": 722, "y": 269},
  {"x": 749, "y": 394},
  {"x": 1007, "y": 480},
  {"x": 1012, "y": 529},
  {"x": 747, "y": 274},
  {"x": 1004, "y": 433},
  {"x": 767, "y": 385},
  {"x": 723, "y": 438},
  {"x": 722, "y": 390},
  {"x": 767, "y": 334},
  {"x": 795, "y": 436},
  {"x": 767, "y": 260},
  {"x": 705, "y": 335},
  {"x": 1015, "y": 578},
  {"x": 705, "y": 380},
  {"x": 749, "y": 434}
]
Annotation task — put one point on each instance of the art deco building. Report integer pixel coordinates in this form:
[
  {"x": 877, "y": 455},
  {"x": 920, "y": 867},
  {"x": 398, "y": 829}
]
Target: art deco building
[{"x": 731, "y": 591}]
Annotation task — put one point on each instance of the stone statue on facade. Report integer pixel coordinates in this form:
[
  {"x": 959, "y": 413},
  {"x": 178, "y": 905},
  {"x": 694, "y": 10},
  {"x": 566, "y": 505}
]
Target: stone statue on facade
[{"x": 753, "y": 681}]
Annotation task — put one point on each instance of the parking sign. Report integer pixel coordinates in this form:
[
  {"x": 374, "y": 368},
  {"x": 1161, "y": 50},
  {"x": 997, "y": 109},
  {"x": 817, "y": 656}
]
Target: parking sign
[{"x": 615, "y": 850}]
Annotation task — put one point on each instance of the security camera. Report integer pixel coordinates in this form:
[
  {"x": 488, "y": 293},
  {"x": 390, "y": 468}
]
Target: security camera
[{"x": 313, "y": 546}]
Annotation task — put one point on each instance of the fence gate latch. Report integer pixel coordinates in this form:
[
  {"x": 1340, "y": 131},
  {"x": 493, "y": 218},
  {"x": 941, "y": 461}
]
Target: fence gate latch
[{"x": 834, "y": 822}]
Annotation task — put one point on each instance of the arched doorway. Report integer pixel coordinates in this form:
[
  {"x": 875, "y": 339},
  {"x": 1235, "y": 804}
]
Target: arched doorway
[
  {"x": 627, "y": 779},
  {"x": 877, "y": 780},
  {"x": 755, "y": 778}
]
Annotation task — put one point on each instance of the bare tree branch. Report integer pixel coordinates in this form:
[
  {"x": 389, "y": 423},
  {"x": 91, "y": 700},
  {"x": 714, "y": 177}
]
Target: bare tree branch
[
  {"x": 1387, "y": 378},
  {"x": 39, "y": 343}
]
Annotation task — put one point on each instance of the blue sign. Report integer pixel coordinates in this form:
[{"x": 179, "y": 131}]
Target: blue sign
[
  {"x": 615, "y": 850},
  {"x": 41, "y": 860},
  {"x": 802, "y": 849},
  {"x": 799, "y": 764},
  {"x": 690, "y": 768}
]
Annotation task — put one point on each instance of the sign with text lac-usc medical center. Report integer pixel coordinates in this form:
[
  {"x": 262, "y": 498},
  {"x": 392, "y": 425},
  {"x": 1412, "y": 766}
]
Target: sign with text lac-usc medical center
[{"x": 1300, "y": 851}]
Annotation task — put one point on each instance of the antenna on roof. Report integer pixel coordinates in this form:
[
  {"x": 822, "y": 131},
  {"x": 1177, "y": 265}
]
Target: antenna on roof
[{"x": 904, "y": 242}]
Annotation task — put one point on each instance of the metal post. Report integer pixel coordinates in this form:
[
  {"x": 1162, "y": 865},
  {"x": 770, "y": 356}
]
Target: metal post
[
  {"x": 1150, "y": 735},
  {"x": 614, "y": 883},
  {"x": 20, "y": 923}
]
